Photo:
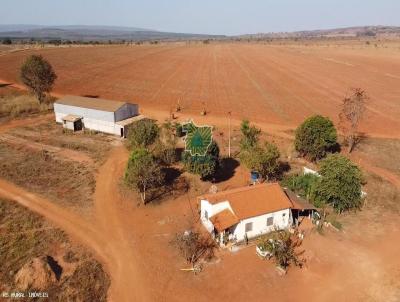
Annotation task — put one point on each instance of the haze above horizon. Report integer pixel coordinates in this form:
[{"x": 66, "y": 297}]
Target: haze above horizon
[{"x": 228, "y": 17}]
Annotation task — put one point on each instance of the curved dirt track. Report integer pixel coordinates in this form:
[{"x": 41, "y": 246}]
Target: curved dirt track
[{"x": 105, "y": 236}]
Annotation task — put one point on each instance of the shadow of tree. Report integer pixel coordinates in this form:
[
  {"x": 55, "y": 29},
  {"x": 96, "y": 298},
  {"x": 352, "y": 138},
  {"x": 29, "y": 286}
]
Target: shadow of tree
[{"x": 226, "y": 170}]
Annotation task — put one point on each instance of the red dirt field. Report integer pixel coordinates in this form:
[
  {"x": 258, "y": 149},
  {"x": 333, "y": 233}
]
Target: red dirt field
[{"x": 266, "y": 83}]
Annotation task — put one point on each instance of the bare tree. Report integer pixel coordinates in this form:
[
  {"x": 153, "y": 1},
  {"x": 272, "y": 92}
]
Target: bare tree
[
  {"x": 193, "y": 246},
  {"x": 353, "y": 108}
]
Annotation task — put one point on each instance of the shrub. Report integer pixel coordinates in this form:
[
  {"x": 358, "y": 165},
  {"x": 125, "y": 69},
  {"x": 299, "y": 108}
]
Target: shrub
[
  {"x": 263, "y": 160},
  {"x": 192, "y": 246},
  {"x": 315, "y": 137},
  {"x": 250, "y": 135},
  {"x": 206, "y": 165},
  {"x": 142, "y": 134},
  {"x": 302, "y": 184},
  {"x": 38, "y": 75},
  {"x": 284, "y": 248},
  {"x": 340, "y": 183}
]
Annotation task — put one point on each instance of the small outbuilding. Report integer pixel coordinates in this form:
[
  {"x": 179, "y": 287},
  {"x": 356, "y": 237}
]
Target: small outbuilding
[{"x": 113, "y": 117}]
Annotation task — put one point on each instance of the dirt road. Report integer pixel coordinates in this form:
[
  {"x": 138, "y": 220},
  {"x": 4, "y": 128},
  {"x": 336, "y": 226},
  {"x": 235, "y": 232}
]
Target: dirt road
[{"x": 106, "y": 235}]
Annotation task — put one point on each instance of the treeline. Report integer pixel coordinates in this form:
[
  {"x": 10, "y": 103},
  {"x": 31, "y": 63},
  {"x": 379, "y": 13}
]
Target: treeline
[{"x": 58, "y": 42}]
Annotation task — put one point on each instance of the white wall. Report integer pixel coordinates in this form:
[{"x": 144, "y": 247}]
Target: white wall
[
  {"x": 101, "y": 121},
  {"x": 281, "y": 220},
  {"x": 211, "y": 211}
]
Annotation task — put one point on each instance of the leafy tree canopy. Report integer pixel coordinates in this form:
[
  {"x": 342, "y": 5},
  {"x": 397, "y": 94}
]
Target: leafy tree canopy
[
  {"x": 143, "y": 133},
  {"x": 264, "y": 160},
  {"x": 142, "y": 172},
  {"x": 340, "y": 183},
  {"x": 38, "y": 75},
  {"x": 206, "y": 165},
  {"x": 315, "y": 137}
]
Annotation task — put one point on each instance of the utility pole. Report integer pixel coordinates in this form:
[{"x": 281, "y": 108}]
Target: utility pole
[{"x": 229, "y": 135}]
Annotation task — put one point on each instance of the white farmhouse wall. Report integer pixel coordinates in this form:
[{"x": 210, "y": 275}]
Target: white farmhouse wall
[
  {"x": 126, "y": 111},
  {"x": 211, "y": 211},
  {"x": 281, "y": 220}
]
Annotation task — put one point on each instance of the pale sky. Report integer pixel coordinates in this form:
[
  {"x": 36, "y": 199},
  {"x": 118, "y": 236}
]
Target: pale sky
[{"x": 229, "y": 17}]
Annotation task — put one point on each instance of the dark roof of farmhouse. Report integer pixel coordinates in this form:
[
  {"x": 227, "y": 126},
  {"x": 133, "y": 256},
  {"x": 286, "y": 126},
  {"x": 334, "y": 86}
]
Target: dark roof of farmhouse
[{"x": 90, "y": 103}]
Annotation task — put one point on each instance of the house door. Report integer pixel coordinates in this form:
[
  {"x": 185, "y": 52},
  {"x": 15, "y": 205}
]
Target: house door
[{"x": 122, "y": 132}]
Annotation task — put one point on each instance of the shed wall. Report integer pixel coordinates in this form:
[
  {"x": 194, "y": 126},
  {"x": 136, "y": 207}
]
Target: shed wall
[{"x": 126, "y": 111}]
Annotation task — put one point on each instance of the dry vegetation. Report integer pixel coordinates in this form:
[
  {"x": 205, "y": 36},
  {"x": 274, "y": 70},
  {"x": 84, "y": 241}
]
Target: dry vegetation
[
  {"x": 36, "y": 256},
  {"x": 67, "y": 182},
  {"x": 15, "y": 104},
  {"x": 96, "y": 145}
]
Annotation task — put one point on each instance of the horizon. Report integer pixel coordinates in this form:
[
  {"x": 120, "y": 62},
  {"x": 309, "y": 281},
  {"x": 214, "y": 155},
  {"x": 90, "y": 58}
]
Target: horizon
[
  {"x": 223, "y": 18},
  {"x": 157, "y": 30}
]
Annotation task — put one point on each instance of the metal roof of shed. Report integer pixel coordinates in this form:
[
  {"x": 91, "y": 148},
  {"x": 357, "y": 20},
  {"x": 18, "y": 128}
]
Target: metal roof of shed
[{"x": 90, "y": 103}]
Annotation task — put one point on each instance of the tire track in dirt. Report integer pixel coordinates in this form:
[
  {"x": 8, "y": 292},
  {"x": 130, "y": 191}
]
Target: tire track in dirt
[{"x": 267, "y": 98}]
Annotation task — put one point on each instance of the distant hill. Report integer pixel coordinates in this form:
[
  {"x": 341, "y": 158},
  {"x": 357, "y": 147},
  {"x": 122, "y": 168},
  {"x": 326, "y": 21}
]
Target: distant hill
[
  {"x": 92, "y": 33},
  {"x": 359, "y": 31}
]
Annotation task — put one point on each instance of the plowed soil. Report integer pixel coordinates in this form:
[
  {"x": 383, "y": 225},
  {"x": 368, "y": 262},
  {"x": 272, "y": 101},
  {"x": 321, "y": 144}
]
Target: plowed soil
[{"x": 266, "y": 83}]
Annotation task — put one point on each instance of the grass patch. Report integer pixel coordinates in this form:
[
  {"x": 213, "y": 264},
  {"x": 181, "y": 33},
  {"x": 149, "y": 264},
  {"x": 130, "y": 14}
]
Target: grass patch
[
  {"x": 13, "y": 105},
  {"x": 67, "y": 182},
  {"x": 94, "y": 145},
  {"x": 25, "y": 236}
]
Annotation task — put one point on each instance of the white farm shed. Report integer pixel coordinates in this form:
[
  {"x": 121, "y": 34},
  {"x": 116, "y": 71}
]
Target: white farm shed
[
  {"x": 76, "y": 112},
  {"x": 247, "y": 212}
]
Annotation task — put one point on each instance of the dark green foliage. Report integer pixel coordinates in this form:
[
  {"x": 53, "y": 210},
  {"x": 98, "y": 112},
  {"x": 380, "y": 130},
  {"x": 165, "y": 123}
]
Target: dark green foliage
[
  {"x": 206, "y": 165},
  {"x": 315, "y": 137},
  {"x": 250, "y": 135},
  {"x": 340, "y": 183},
  {"x": 264, "y": 160},
  {"x": 143, "y": 173},
  {"x": 142, "y": 134},
  {"x": 302, "y": 184},
  {"x": 38, "y": 75}
]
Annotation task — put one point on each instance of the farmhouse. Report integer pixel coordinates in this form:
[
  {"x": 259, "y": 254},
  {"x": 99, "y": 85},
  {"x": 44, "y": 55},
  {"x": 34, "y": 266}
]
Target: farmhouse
[
  {"x": 113, "y": 117},
  {"x": 247, "y": 212}
]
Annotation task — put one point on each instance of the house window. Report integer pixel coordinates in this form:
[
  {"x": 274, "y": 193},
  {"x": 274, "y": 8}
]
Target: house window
[
  {"x": 284, "y": 214},
  {"x": 248, "y": 227},
  {"x": 206, "y": 215},
  {"x": 270, "y": 221}
]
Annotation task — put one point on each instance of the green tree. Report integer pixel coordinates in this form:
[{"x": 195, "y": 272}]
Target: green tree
[
  {"x": 302, "y": 184},
  {"x": 142, "y": 134},
  {"x": 38, "y": 75},
  {"x": 142, "y": 172},
  {"x": 315, "y": 137},
  {"x": 250, "y": 135},
  {"x": 340, "y": 183},
  {"x": 206, "y": 165},
  {"x": 264, "y": 160}
]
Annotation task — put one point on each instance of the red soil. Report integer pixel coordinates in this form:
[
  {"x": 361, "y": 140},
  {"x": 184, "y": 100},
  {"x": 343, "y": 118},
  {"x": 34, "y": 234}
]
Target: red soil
[{"x": 268, "y": 84}]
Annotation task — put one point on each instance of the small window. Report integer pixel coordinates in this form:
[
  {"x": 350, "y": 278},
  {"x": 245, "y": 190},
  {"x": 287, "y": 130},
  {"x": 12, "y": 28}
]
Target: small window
[
  {"x": 270, "y": 221},
  {"x": 206, "y": 215},
  {"x": 284, "y": 214},
  {"x": 248, "y": 227}
]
